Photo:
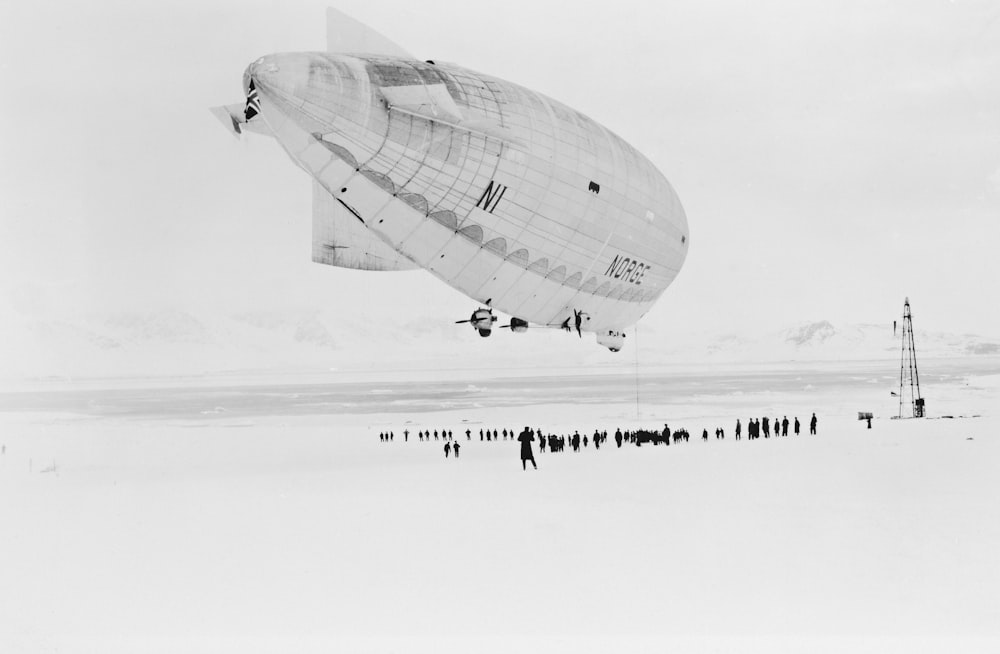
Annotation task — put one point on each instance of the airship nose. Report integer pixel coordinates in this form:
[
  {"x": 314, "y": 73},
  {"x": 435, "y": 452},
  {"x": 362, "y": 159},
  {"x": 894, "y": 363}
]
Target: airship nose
[{"x": 285, "y": 76}]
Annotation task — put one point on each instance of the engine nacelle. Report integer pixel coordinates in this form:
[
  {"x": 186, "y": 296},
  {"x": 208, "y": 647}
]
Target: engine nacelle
[
  {"x": 518, "y": 326},
  {"x": 611, "y": 339},
  {"x": 482, "y": 320}
]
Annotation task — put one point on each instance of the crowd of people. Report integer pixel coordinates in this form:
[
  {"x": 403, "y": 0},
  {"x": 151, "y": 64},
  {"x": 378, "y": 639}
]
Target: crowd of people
[
  {"x": 758, "y": 426},
  {"x": 755, "y": 428}
]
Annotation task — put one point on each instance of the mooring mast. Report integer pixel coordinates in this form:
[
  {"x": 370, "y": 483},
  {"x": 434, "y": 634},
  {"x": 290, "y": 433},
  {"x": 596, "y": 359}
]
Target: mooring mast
[{"x": 908, "y": 376}]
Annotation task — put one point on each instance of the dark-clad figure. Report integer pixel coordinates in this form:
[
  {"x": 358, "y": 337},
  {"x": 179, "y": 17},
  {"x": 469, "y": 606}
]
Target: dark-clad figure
[
  {"x": 468, "y": 434},
  {"x": 541, "y": 441},
  {"x": 457, "y": 445},
  {"x": 495, "y": 437},
  {"x": 812, "y": 424},
  {"x": 392, "y": 436},
  {"x": 704, "y": 434},
  {"x": 406, "y": 435},
  {"x": 767, "y": 428},
  {"x": 784, "y": 426},
  {"x": 738, "y": 428},
  {"x": 447, "y": 449},
  {"x": 450, "y": 437},
  {"x": 381, "y": 436},
  {"x": 618, "y": 436},
  {"x": 576, "y": 441},
  {"x": 869, "y": 419},
  {"x": 505, "y": 434},
  {"x": 526, "y": 453},
  {"x": 480, "y": 434},
  {"x": 796, "y": 425},
  {"x": 435, "y": 434}
]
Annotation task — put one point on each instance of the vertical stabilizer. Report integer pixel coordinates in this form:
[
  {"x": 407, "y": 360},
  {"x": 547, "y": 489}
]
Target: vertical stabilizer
[
  {"x": 346, "y": 35},
  {"x": 341, "y": 239}
]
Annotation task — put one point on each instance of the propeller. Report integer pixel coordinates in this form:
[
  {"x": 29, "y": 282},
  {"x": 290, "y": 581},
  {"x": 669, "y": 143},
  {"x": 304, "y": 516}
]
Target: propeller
[
  {"x": 577, "y": 323},
  {"x": 473, "y": 318}
]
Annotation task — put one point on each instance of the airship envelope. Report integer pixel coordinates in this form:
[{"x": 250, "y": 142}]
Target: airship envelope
[{"x": 523, "y": 204}]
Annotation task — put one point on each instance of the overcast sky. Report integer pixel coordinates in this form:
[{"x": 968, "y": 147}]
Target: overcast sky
[{"x": 832, "y": 157}]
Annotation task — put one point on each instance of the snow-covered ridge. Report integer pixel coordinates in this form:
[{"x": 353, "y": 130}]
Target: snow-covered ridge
[{"x": 171, "y": 341}]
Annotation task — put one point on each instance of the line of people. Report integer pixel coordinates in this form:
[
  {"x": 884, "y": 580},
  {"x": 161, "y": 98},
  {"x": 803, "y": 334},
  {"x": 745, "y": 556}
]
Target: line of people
[
  {"x": 447, "y": 435},
  {"x": 758, "y": 426},
  {"x": 557, "y": 443}
]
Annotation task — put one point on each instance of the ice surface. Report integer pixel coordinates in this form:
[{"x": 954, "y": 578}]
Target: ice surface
[{"x": 256, "y": 516}]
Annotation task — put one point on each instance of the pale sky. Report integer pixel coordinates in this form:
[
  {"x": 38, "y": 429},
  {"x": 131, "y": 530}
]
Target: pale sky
[{"x": 832, "y": 157}]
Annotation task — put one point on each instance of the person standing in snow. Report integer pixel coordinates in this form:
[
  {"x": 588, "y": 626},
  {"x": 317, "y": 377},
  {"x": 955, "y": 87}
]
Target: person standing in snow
[
  {"x": 447, "y": 449},
  {"x": 526, "y": 454},
  {"x": 457, "y": 445},
  {"x": 812, "y": 424}
]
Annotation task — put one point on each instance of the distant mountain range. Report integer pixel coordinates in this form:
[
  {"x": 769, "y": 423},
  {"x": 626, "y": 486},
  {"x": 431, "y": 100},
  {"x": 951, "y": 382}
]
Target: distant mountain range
[{"x": 172, "y": 342}]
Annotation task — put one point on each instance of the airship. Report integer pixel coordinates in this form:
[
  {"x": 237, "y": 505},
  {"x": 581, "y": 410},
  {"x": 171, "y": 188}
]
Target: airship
[{"x": 523, "y": 204}]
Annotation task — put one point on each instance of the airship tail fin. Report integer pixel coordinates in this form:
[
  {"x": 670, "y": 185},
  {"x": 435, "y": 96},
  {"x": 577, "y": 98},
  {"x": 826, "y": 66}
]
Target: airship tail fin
[
  {"x": 347, "y": 35},
  {"x": 340, "y": 239},
  {"x": 233, "y": 116}
]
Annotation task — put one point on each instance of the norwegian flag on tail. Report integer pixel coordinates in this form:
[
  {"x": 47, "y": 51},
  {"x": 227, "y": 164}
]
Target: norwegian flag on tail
[{"x": 253, "y": 102}]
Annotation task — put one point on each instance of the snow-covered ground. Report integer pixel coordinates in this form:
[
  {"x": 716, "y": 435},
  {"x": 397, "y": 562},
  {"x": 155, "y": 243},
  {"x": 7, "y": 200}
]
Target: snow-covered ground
[{"x": 263, "y": 516}]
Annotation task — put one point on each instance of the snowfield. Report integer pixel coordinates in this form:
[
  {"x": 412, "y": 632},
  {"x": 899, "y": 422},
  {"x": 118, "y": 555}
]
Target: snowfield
[{"x": 269, "y": 517}]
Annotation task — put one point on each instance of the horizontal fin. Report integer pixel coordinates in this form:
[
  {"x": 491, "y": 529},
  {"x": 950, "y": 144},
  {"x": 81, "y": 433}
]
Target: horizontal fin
[
  {"x": 234, "y": 119},
  {"x": 231, "y": 116},
  {"x": 431, "y": 100}
]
